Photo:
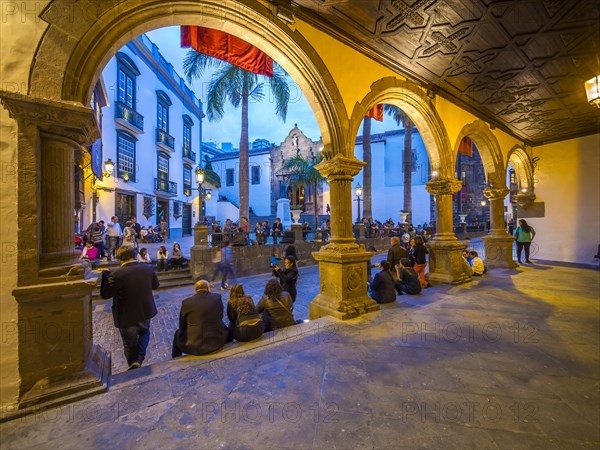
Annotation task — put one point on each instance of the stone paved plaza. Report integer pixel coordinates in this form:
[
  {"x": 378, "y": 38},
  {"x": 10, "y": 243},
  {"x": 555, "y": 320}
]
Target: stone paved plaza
[{"x": 508, "y": 361}]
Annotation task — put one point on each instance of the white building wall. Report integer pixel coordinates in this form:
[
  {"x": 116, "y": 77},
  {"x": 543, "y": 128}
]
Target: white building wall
[
  {"x": 387, "y": 188},
  {"x": 147, "y": 83}
]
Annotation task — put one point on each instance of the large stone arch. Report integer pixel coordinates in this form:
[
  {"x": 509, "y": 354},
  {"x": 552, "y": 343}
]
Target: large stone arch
[
  {"x": 489, "y": 150},
  {"x": 445, "y": 259},
  {"x": 523, "y": 167},
  {"x": 412, "y": 99},
  {"x": 82, "y": 37}
]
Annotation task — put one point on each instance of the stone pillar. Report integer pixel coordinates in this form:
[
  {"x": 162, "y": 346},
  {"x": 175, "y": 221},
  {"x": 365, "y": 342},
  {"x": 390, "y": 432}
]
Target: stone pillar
[
  {"x": 297, "y": 230},
  {"x": 342, "y": 262},
  {"x": 498, "y": 243},
  {"x": 199, "y": 253},
  {"x": 58, "y": 200},
  {"x": 52, "y": 332},
  {"x": 360, "y": 230},
  {"x": 445, "y": 251}
]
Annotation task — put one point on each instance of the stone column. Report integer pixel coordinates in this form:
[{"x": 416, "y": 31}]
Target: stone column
[
  {"x": 342, "y": 262},
  {"x": 498, "y": 243},
  {"x": 51, "y": 328},
  {"x": 445, "y": 251},
  {"x": 58, "y": 200}
]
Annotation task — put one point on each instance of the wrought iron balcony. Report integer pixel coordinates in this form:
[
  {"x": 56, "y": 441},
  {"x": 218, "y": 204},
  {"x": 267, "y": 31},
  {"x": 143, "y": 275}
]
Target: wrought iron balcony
[
  {"x": 165, "y": 186},
  {"x": 165, "y": 140},
  {"x": 189, "y": 154},
  {"x": 129, "y": 117}
]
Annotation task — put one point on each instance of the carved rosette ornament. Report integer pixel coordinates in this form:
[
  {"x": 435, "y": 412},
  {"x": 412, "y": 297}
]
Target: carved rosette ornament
[{"x": 444, "y": 186}]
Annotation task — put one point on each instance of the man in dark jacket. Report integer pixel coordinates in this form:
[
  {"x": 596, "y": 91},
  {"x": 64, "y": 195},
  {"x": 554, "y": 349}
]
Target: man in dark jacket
[
  {"x": 409, "y": 280},
  {"x": 131, "y": 287},
  {"x": 201, "y": 328},
  {"x": 395, "y": 254}
]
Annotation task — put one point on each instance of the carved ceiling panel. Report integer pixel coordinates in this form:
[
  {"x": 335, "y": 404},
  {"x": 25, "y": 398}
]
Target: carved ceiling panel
[{"x": 519, "y": 64}]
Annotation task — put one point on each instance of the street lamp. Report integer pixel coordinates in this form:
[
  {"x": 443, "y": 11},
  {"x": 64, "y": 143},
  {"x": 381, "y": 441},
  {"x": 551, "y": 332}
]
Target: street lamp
[
  {"x": 359, "y": 191},
  {"x": 483, "y": 203}
]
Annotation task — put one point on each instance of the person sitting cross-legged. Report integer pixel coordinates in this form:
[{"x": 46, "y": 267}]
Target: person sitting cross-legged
[
  {"x": 201, "y": 328},
  {"x": 382, "y": 288},
  {"x": 245, "y": 324},
  {"x": 409, "y": 280}
]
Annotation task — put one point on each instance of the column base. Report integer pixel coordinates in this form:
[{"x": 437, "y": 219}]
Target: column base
[
  {"x": 297, "y": 230},
  {"x": 343, "y": 275},
  {"x": 499, "y": 250},
  {"x": 446, "y": 264},
  {"x": 58, "y": 362}
]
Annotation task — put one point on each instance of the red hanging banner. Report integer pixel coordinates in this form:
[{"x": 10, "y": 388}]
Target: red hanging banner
[
  {"x": 376, "y": 112},
  {"x": 226, "y": 47},
  {"x": 466, "y": 147}
]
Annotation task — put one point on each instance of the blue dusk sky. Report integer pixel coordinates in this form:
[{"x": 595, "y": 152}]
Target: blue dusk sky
[{"x": 263, "y": 123}]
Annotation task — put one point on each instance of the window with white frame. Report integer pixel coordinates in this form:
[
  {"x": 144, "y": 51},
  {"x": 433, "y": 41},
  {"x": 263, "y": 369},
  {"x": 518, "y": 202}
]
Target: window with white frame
[{"x": 125, "y": 156}]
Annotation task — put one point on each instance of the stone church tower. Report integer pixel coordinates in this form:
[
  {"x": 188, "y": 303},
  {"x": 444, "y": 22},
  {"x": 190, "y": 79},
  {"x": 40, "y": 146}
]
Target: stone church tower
[{"x": 296, "y": 143}]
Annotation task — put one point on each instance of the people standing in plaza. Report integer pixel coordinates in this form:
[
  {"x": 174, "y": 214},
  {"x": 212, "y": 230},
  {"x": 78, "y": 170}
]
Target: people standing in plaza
[
  {"x": 223, "y": 261},
  {"x": 420, "y": 254},
  {"x": 288, "y": 277},
  {"x": 163, "y": 230},
  {"x": 162, "y": 258},
  {"x": 97, "y": 237},
  {"x": 275, "y": 307},
  {"x": 129, "y": 239},
  {"x": 245, "y": 324},
  {"x": 277, "y": 230},
  {"x": 524, "y": 234},
  {"x": 395, "y": 254},
  {"x": 137, "y": 228},
  {"x": 130, "y": 287},
  {"x": 114, "y": 234},
  {"x": 201, "y": 328}
]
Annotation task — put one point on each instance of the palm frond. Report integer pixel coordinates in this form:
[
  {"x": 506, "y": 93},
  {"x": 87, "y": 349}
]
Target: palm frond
[
  {"x": 196, "y": 63},
  {"x": 223, "y": 85},
  {"x": 281, "y": 91}
]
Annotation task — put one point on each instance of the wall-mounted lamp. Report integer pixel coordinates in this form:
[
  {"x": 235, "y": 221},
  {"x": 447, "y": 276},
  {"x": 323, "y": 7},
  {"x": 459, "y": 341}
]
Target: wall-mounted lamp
[
  {"x": 592, "y": 90},
  {"x": 109, "y": 168}
]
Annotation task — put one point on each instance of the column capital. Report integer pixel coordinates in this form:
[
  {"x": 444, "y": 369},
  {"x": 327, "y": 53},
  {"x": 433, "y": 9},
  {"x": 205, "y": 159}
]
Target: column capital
[
  {"x": 444, "y": 186},
  {"x": 340, "y": 168},
  {"x": 69, "y": 120},
  {"x": 496, "y": 193}
]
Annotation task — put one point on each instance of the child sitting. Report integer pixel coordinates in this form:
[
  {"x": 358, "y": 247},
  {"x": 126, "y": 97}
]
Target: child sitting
[
  {"x": 409, "y": 280},
  {"x": 477, "y": 264}
]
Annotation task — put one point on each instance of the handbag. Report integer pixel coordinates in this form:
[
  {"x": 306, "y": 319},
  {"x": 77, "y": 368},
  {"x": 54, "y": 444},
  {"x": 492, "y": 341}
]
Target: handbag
[{"x": 248, "y": 320}]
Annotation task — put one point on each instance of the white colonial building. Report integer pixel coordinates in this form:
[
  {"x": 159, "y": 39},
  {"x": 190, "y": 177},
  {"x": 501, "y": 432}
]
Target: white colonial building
[
  {"x": 151, "y": 131},
  {"x": 387, "y": 176}
]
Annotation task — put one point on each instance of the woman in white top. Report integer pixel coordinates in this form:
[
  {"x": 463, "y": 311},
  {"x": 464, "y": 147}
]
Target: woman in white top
[
  {"x": 143, "y": 256},
  {"x": 162, "y": 258}
]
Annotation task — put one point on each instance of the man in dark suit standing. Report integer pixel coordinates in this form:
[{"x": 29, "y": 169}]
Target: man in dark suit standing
[
  {"x": 395, "y": 254},
  {"x": 201, "y": 328},
  {"x": 131, "y": 287}
]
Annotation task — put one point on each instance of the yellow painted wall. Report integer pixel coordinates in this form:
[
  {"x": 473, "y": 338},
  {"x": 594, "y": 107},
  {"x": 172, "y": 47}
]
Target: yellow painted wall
[
  {"x": 20, "y": 31},
  {"x": 567, "y": 180}
]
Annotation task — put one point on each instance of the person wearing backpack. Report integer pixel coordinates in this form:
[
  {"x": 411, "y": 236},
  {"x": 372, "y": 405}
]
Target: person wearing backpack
[{"x": 524, "y": 234}]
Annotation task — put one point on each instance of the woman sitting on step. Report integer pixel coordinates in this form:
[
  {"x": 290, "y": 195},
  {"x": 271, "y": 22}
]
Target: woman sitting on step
[
  {"x": 245, "y": 324},
  {"x": 275, "y": 306}
]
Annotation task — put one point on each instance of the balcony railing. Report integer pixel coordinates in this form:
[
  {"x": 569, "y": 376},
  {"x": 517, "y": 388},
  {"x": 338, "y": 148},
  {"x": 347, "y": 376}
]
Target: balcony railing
[
  {"x": 165, "y": 139},
  {"x": 128, "y": 115},
  {"x": 189, "y": 154},
  {"x": 169, "y": 187}
]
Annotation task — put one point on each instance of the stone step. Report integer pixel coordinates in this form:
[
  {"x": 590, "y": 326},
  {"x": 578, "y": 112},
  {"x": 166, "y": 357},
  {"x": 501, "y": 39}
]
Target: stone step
[{"x": 168, "y": 280}]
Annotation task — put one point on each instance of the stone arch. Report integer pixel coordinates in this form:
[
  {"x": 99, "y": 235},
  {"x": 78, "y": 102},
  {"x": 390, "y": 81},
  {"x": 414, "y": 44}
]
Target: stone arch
[
  {"x": 523, "y": 167},
  {"x": 82, "y": 37},
  {"x": 413, "y": 100},
  {"x": 489, "y": 150}
]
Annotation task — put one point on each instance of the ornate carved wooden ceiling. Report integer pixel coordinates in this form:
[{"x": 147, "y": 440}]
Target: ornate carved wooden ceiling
[{"x": 519, "y": 64}]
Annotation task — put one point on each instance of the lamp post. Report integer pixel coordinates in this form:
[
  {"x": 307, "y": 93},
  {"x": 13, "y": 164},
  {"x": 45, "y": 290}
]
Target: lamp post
[
  {"x": 202, "y": 195},
  {"x": 358, "y": 191},
  {"x": 483, "y": 203}
]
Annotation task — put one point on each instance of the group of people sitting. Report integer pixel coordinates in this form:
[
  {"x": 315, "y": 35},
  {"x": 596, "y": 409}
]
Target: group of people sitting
[{"x": 201, "y": 327}]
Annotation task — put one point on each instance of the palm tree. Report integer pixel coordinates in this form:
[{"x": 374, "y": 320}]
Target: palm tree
[
  {"x": 303, "y": 173},
  {"x": 402, "y": 118},
  {"x": 238, "y": 86},
  {"x": 367, "y": 210}
]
